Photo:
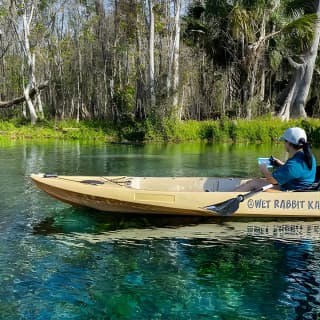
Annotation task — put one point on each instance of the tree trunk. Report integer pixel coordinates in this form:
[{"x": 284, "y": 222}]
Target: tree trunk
[
  {"x": 31, "y": 63},
  {"x": 284, "y": 113},
  {"x": 254, "y": 57},
  {"x": 79, "y": 83},
  {"x": 263, "y": 83},
  {"x": 175, "y": 86},
  {"x": 170, "y": 46},
  {"x": 140, "y": 79},
  {"x": 151, "y": 56},
  {"x": 294, "y": 103}
]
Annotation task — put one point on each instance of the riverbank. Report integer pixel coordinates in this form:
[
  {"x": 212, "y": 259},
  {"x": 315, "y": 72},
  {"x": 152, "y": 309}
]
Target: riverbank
[{"x": 263, "y": 130}]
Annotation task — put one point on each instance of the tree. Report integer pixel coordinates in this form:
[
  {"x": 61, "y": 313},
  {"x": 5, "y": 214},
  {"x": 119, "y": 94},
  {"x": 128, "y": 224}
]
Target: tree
[
  {"x": 294, "y": 98},
  {"x": 238, "y": 36},
  {"x": 150, "y": 22},
  {"x": 26, "y": 10},
  {"x": 130, "y": 60},
  {"x": 33, "y": 92},
  {"x": 172, "y": 83}
]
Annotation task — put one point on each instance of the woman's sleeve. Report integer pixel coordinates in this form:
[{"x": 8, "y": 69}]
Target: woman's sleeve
[{"x": 286, "y": 173}]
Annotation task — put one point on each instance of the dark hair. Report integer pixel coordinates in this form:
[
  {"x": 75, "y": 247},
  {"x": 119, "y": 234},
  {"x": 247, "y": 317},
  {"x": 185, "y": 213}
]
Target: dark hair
[{"x": 306, "y": 150}]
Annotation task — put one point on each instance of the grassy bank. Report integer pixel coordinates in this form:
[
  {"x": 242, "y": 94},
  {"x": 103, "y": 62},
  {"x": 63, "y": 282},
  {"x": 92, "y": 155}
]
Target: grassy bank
[
  {"x": 261, "y": 130},
  {"x": 69, "y": 130}
]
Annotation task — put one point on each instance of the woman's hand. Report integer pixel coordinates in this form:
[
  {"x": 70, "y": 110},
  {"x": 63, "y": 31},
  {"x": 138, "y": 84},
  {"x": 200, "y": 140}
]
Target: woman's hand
[
  {"x": 276, "y": 162},
  {"x": 267, "y": 174},
  {"x": 264, "y": 169}
]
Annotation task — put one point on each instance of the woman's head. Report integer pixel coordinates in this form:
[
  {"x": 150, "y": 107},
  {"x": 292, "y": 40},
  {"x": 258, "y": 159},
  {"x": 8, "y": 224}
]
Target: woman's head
[
  {"x": 296, "y": 139},
  {"x": 295, "y": 136}
]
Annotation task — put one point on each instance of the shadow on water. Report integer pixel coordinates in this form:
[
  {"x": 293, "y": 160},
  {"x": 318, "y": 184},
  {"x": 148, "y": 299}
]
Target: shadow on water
[{"x": 91, "y": 221}]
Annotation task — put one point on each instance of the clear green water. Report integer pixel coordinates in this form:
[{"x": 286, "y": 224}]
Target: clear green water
[{"x": 57, "y": 262}]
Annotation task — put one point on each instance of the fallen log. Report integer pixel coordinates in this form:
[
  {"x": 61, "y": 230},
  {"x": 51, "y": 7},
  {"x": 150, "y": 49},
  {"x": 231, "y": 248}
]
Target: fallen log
[{"x": 18, "y": 100}]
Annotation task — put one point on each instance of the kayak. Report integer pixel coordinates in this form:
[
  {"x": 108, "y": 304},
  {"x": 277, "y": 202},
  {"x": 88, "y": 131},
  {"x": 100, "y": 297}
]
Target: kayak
[{"x": 193, "y": 196}]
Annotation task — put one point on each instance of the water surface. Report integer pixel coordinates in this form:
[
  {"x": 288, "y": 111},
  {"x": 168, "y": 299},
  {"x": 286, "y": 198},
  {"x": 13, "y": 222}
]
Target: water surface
[{"x": 57, "y": 262}]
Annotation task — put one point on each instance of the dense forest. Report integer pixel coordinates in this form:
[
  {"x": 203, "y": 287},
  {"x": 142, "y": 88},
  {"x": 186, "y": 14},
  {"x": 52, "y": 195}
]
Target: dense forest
[{"x": 131, "y": 60}]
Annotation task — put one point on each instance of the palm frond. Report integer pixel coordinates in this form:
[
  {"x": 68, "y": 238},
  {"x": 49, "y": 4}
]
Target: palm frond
[
  {"x": 218, "y": 8},
  {"x": 275, "y": 59},
  {"x": 240, "y": 23},
  {"x": 302, "y": 30},
  {"x": 254, "y": 4},
  {"x": 306, "y": 5},
  {"x": 296, "y": 14}
]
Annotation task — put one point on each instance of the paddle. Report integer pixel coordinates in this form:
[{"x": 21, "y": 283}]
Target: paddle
[{"x": 230, "y": 206}]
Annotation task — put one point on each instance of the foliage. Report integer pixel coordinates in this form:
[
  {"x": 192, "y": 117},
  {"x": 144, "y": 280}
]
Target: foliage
[
  {"x": 96, "y": 59},
  {"x": 261, "y": 130},
  {"x": 248, "y": 41},
  {"x": 69, "y": 130},
  {"x": 301, "y": 30}
]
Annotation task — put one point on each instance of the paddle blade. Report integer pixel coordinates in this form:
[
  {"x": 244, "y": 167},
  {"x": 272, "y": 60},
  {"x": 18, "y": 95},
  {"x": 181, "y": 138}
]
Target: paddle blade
[{"x": 225, "y": 208}]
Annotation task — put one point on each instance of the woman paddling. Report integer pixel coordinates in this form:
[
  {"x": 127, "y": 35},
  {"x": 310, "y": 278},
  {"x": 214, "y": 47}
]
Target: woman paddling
[{"x": 297, "y": 173}]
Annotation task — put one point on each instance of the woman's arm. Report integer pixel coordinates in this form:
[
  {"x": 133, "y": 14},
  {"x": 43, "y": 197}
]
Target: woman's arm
[{"x": 267, "y": 174}]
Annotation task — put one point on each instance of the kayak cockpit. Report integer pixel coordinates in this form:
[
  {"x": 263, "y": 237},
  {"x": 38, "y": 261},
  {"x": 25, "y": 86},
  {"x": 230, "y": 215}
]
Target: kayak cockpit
[
  {"x": 161, "y": 184},
  {"x": 186, "y": 184}
]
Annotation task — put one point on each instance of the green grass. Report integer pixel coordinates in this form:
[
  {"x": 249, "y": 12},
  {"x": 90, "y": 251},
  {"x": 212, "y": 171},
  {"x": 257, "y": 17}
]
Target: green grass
[
  {"x": 69, "y": 130},
  {"x": 262, "y": 130}
]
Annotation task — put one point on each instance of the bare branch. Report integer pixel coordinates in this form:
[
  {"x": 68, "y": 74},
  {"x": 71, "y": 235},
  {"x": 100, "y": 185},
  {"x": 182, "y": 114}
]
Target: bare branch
[
  {"x": 256, "y": 45},
  {"x": 4, "y": 51},
  {"x": 31, "y": 16},
  {"x": 18, "y": 100}
]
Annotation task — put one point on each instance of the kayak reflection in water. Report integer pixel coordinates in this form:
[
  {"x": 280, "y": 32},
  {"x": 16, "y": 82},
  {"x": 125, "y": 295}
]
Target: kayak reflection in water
[{"x": 297, "y": 173}]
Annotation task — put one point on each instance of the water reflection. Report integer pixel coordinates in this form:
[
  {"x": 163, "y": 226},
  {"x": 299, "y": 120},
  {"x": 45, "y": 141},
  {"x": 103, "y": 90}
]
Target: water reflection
[
  {"x": 81, "y": 221},
  {"x": 243, "y": 269},
  {"x": 57, "y": 262},
  {"x": 217, "y": 270},
  {"x": 85, "y": 220},
  {"x": 149, "y": 160}
]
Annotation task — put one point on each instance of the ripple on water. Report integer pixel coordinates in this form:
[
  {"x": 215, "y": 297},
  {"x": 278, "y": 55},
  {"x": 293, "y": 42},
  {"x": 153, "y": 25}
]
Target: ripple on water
[{"x": 249, "y": 273}]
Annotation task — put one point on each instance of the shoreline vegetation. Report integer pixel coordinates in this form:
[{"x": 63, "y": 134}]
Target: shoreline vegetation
[{"x": 261, "y": 130}]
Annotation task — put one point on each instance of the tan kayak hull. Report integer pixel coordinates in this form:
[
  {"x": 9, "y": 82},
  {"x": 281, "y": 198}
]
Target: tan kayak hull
[{"x": 129, "y": 195}]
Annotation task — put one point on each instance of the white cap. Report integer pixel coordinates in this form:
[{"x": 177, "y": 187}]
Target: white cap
[{"x": 293, "y": 135}]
